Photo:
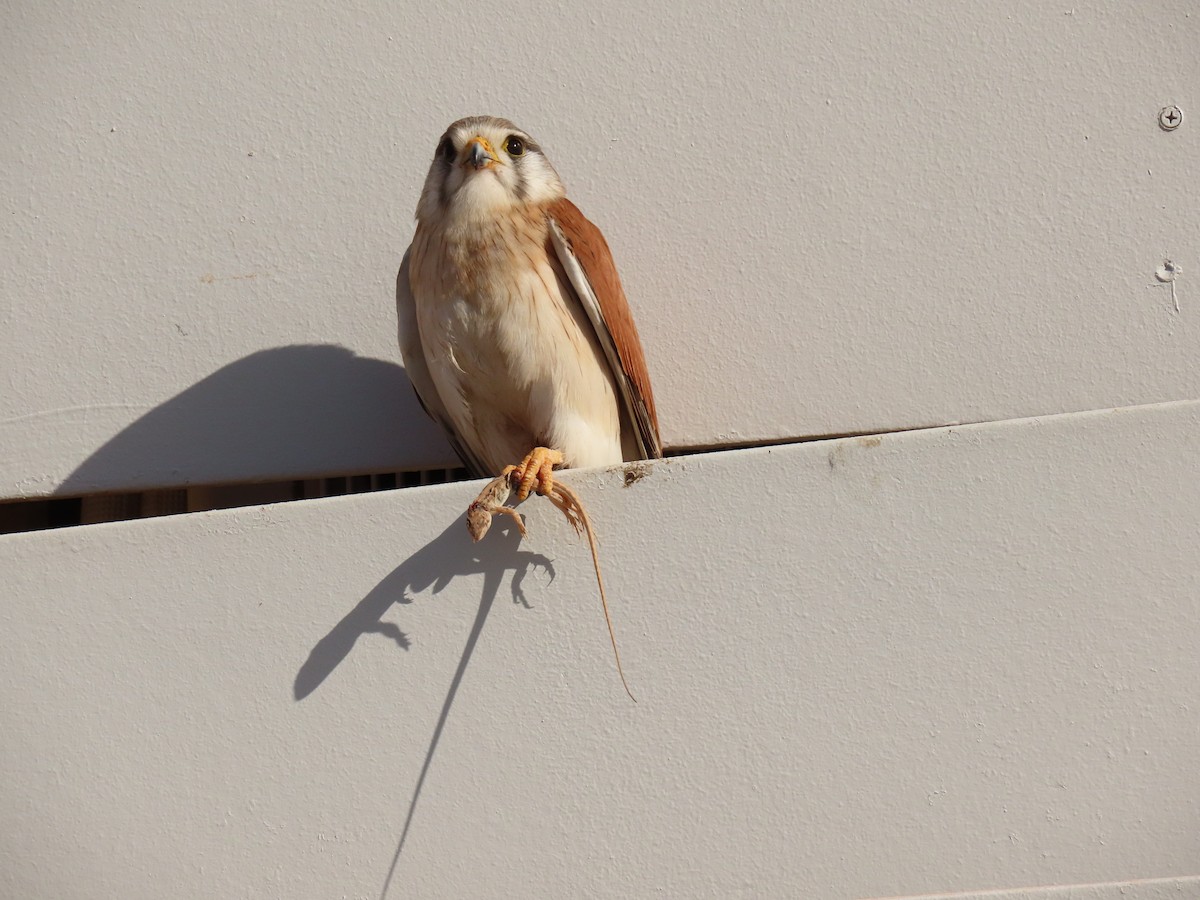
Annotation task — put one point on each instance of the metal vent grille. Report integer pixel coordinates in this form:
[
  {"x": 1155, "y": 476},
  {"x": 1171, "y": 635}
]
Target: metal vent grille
[{"x": 62, "y": 512}]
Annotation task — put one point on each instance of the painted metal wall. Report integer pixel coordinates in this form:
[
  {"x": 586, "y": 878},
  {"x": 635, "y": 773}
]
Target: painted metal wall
[
  {"x": 936, "y": 661},
  {"x": 831, "y": 219},
  {"x": 952, "y": 660}
]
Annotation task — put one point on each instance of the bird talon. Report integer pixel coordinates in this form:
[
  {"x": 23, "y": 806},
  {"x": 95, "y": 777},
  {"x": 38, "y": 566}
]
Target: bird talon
[{"x": 535, "y": 471}]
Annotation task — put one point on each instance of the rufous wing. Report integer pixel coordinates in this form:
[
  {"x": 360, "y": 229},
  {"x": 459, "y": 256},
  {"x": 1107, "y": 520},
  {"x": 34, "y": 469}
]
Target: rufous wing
[{"x": 588, "y": 263}]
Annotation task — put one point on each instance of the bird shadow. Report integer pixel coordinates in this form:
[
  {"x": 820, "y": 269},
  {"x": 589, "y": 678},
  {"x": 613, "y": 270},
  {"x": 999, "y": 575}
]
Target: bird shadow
[
  {"x": 451, "y": 554},
  {"x": 299, "y": 411}
]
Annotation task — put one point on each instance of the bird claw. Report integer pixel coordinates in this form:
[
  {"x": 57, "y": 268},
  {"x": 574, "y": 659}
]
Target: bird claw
[
  {"x": 489, "y": 503},
  {"x": 536, "y": 470}
]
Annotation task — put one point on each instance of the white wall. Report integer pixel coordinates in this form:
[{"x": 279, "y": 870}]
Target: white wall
[
  {"x": 943, "y": 660},
  {"x": 1151, "y": 889},
  {"x": 952, "y": 660},
  {"x": 829, "y": 219}
]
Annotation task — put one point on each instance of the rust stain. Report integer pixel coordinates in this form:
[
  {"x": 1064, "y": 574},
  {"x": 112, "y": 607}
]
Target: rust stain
[{"x": 635, "y": 472}]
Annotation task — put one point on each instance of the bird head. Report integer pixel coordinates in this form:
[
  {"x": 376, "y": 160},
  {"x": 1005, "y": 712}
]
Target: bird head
[{"x": 485, "y": 166}]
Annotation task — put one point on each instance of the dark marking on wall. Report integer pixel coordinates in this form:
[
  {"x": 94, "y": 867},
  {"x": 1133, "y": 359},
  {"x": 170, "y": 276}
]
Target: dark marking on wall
[{"x": 635, "y": 472}]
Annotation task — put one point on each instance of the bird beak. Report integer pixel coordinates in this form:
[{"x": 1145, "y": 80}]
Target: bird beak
[{"x": 479, "y": 153}]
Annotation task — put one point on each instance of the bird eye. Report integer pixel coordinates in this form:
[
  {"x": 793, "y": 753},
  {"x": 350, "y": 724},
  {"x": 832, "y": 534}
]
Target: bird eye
[
  {"x": 514, "y": 145},
  {"x": 446, "y": 150}
]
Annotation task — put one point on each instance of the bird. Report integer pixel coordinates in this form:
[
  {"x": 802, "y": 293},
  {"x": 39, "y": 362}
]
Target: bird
[{"x": 513, "y": 325}]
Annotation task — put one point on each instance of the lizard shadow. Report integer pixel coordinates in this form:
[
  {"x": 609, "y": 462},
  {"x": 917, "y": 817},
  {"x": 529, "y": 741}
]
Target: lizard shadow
[{"x": 451, "y": 554}]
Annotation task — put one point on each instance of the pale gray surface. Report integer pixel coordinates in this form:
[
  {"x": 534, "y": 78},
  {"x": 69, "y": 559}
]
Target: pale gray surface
[
  {"x": 1156, "y": 889},
  {"x": 952, "y": 660},
  {"x": 829, "y": 219}
]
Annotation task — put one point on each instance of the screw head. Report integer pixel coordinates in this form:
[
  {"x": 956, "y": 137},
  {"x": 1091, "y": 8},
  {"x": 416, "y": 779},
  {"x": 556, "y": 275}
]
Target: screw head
[{"x": 1170, "y": 118}]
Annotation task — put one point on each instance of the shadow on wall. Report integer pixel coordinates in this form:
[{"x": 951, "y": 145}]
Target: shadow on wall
[
  {"x": 451, "y": 554},
  {"x": 289, "y": 412}
]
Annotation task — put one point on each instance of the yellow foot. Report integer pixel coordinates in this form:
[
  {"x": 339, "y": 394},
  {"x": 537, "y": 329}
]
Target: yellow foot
[{"x": 537, "y": 468}]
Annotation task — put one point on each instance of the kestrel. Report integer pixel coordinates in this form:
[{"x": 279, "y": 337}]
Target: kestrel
[{"x": 514, "y": 328}]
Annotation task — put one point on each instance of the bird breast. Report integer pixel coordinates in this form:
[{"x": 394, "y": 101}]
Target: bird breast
[{"x": 510, "y": 350}]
